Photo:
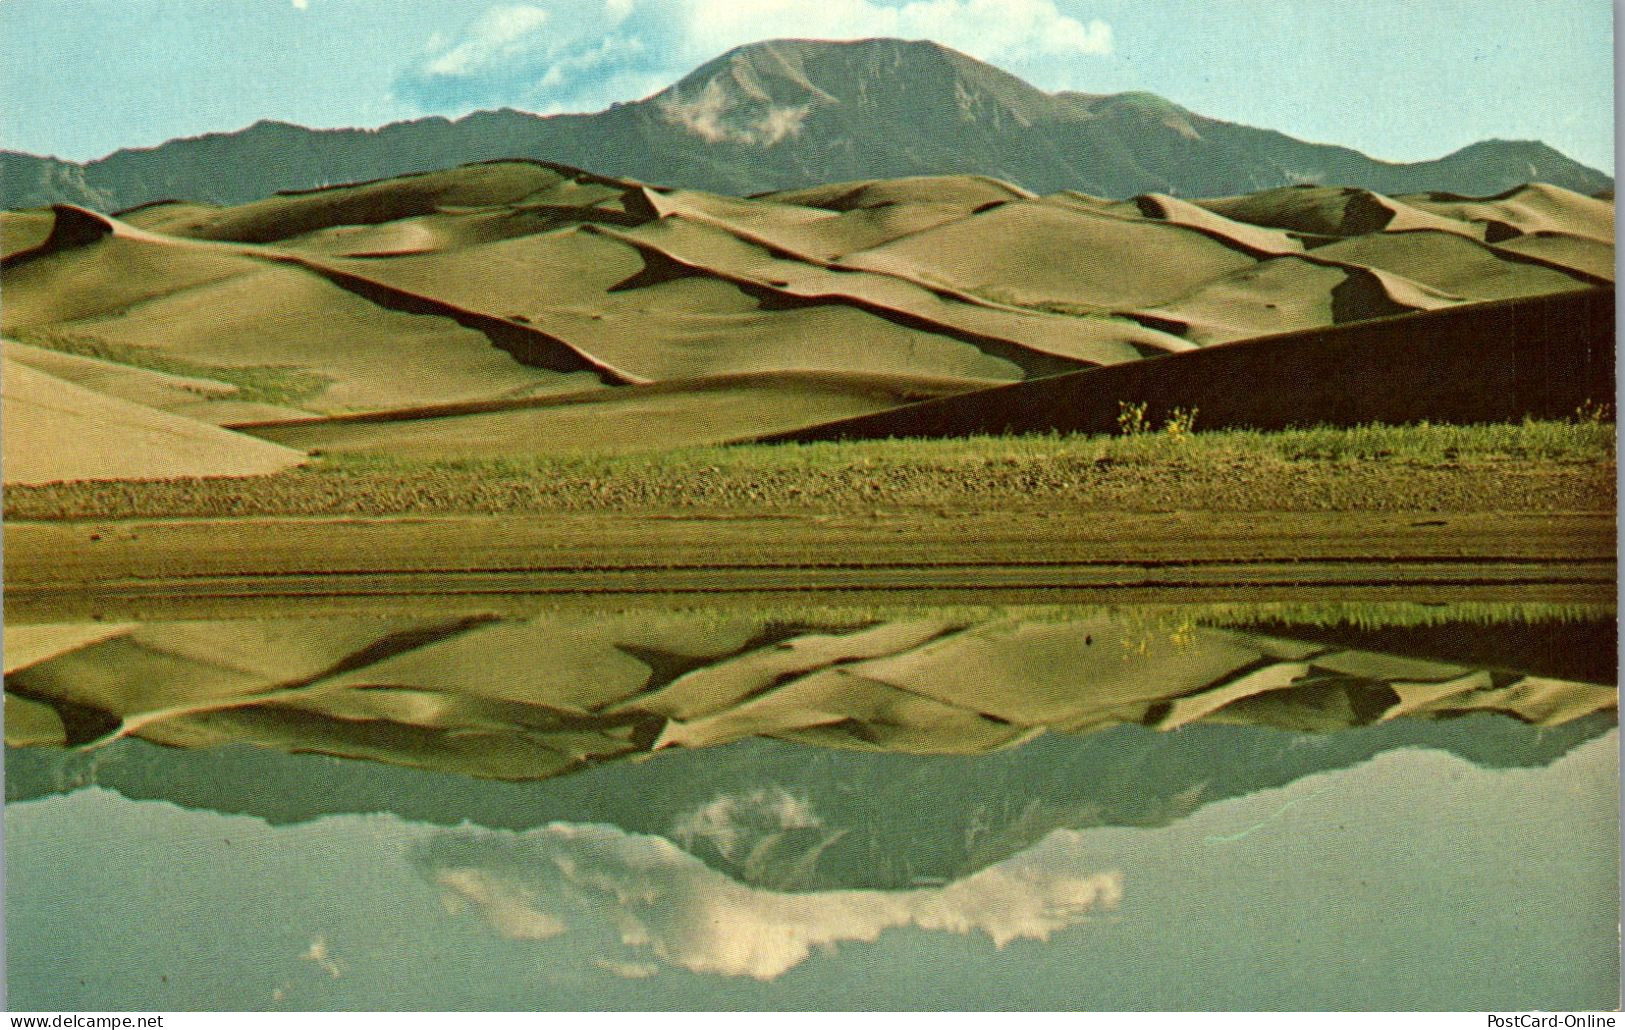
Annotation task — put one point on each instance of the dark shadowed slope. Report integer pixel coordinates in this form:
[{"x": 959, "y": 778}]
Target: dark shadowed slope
[{"x": 1536, "y": 356}]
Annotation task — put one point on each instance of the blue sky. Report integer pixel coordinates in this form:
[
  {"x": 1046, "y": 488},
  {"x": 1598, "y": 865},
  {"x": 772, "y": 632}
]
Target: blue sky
[{"x": 1398, "y": 79}]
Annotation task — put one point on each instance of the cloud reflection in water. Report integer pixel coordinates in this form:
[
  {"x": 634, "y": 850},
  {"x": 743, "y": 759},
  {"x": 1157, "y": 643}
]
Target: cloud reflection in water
[{"x": 664, "y": 903}]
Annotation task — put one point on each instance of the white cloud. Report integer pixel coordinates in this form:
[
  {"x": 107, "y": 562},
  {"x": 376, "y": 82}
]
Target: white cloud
[
  {"x": 301, "y": 5},
  {"x": 664, "y": 904},
  {"x": 495, "y": 38},
  {"x": 510, "y": 907},
  {"x": 1001, "y": 31},
  {"x": 586, "y": 54}
]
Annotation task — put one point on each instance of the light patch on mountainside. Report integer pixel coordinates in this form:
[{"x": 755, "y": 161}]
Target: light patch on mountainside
[
  {"x": 628, "y": 970},
  {"x": 708, "y": 117},
  {"x": 509, "y": 907},
  {"x": 733, "y": 822}
]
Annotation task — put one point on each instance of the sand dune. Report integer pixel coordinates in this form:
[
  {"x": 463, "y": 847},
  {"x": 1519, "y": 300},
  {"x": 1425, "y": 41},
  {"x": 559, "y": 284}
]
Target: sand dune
[
  {"x": 1541, "y": 356},
  {"x": 1534, "y": 208},
  {"x": 1289, "y": 293},
  {"x": 611, "y": 420},
  {"x": 23, "y": 230},
  {"x": 1257, "y": 240},
  {"x": 1322, "y": 211},
  {"x": 30, "y": 645},
  {"x": 288, "y": 215},
  {"x": 1035, "y": 340},
  {"x": 106, "y": 276},
  {"x": 207, "y": 400},
  {"x": 967, "y": 192},
  {"x": 516, "y": 279},
  {"x": 207, "y": 307},
  {"x": 1581, "y": 254},
  {"x": 56, "y": 431},
  {"x": 146, "y": 386},
  {"x": 1454, "y": 264},
  {"x": 1037, "y": 255}
]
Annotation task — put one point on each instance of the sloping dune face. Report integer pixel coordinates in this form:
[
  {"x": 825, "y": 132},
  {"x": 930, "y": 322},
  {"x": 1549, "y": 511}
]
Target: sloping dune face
[
  {"x": 515, "y": 281},
  {"x": 1537, "y": 208},
  {"x": 23, "y": 230},
  {"x": 56, "y": 431}
]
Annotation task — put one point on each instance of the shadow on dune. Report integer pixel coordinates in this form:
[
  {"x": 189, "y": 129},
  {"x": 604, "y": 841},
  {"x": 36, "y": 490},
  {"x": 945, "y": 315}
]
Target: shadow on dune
[{"x": 1539, "y": 357}]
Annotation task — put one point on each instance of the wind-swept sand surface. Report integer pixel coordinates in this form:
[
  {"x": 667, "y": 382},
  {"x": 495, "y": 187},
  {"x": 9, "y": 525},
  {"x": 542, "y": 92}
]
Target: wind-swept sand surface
[
  {"x": 23, "y": 230},
  {"x": 690, "y": 413},
  {"x": 1533, "y": 208},
  {"x": 513, "y": 281},
  {"x": 146, "y": 386},
  {"x": 57, "y": 431}
]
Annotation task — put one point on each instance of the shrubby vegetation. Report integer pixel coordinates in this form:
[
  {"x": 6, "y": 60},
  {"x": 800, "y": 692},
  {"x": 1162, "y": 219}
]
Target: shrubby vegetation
[{"x": 1533, "y": 466}]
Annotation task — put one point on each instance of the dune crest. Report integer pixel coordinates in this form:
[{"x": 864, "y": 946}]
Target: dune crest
[{"x": 457, "y": 293}]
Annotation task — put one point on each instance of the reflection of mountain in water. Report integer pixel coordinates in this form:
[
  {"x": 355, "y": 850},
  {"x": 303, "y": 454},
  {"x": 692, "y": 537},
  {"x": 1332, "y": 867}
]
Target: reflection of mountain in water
[
  {"x": 786, "y": 816},
  {"x": 890, "y": 802}
]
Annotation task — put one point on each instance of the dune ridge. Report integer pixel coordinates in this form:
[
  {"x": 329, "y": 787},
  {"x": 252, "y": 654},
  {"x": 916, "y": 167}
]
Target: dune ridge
[{"x": 452, "y": 295}]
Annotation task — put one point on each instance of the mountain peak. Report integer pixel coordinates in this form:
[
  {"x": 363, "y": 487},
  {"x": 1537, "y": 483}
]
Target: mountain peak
[
  {"x": 804, "y": 53},
  {"x": 762, "y": 93},
  {"x": 791, "y": 113}
]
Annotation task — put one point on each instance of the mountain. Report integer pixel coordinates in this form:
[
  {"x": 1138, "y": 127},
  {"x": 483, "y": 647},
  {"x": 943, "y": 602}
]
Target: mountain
[{"x": 785, "y": 114}]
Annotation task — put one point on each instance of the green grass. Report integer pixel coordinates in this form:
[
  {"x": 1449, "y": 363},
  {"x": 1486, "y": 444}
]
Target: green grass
[
  {"x": 1580, "y": 442},
  {"x": 1533, "y": 467},
  {"x": 263, "y": 384},
  {"x": 1365, "y": 615}
]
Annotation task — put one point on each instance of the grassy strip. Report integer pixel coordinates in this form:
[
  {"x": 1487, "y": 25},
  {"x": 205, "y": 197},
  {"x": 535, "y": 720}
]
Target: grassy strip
[
  {"x": 1550, "y": 441},
  {"x": 1364, "y": 615},
  {"x": 262, "y": 384},
  {"x": 1537, "y": 466}
]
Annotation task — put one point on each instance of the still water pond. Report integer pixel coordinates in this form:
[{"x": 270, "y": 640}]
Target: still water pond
[{"x": 956, "y": 809}]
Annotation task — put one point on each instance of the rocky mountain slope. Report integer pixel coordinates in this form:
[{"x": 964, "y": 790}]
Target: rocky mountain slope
[{"x": 785, "y": 114}]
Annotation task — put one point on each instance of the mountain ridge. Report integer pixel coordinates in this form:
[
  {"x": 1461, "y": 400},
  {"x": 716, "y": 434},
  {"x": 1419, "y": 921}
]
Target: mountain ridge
[{"x": 787, "y": 114}]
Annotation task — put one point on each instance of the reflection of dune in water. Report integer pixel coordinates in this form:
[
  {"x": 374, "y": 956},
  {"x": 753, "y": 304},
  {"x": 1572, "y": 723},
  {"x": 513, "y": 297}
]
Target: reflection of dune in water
[
  {"x": 532, "y": 699},
  {"x": 665, "y": 903},
  {"x": 784, "y": 817},
  {"x": 849, "y": 755}
]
